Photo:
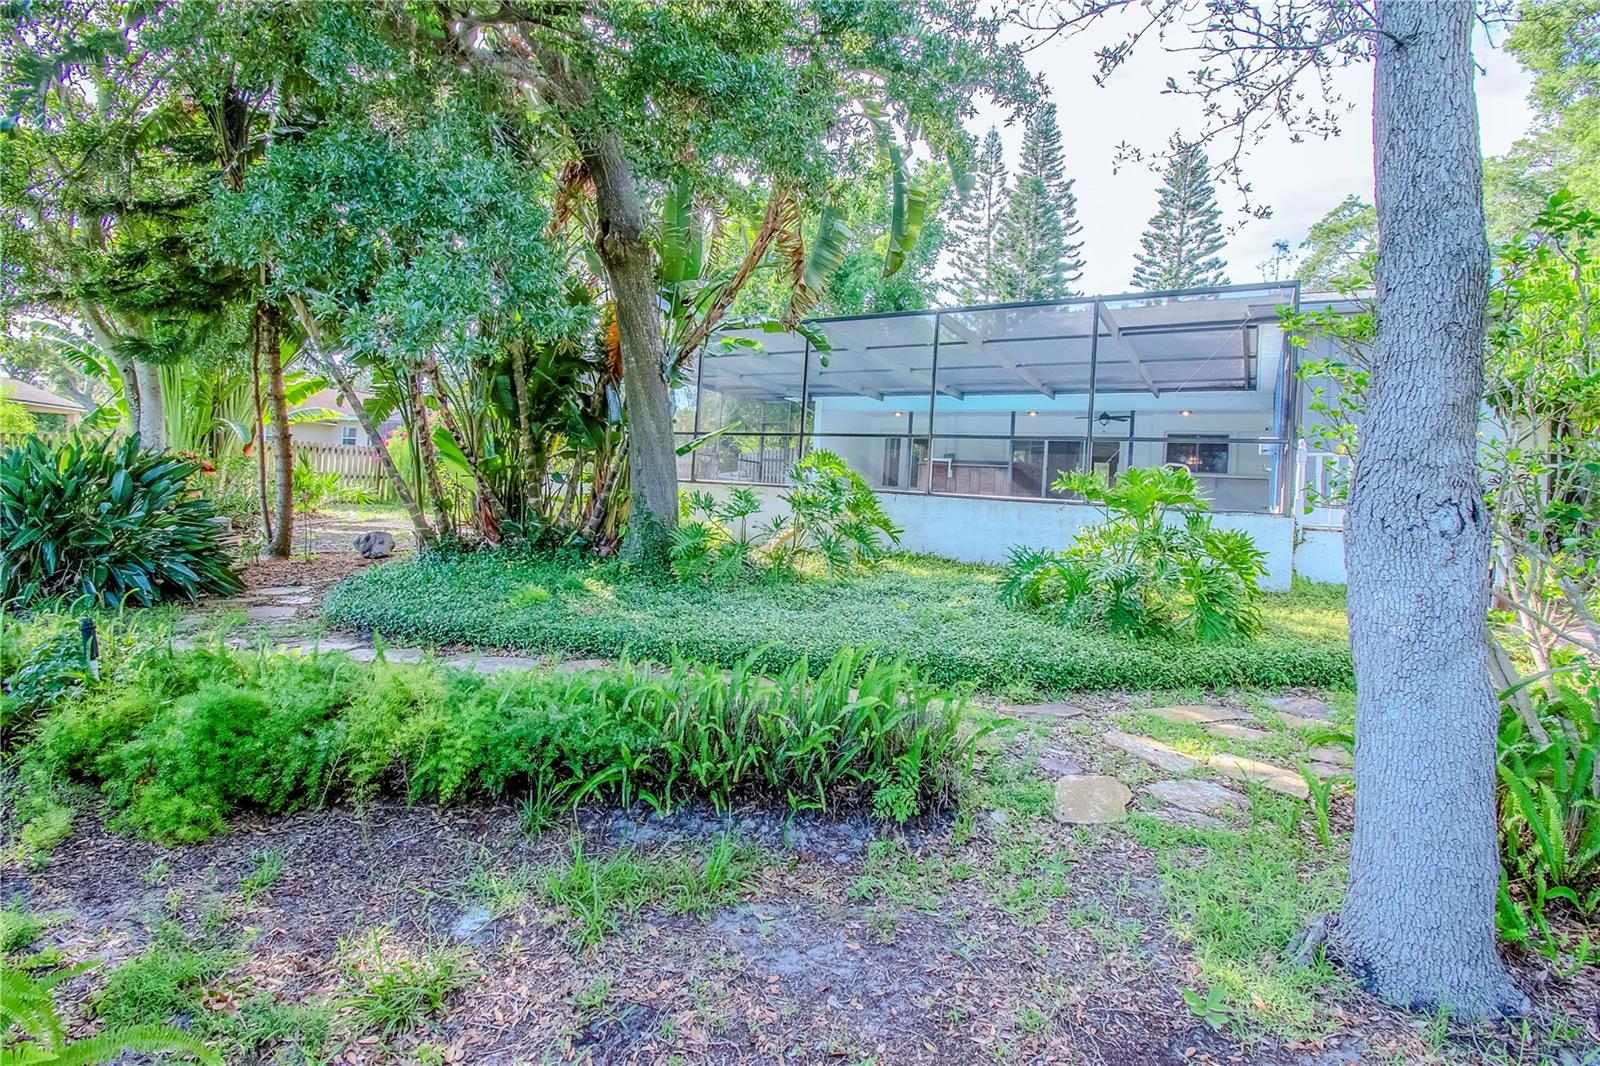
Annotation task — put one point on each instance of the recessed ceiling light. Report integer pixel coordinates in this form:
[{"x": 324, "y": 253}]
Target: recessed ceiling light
[
  {"x": 1033, "y": 414},
  {"x": 1185, "y": 414},
  {"x": 897, "y": 414}
]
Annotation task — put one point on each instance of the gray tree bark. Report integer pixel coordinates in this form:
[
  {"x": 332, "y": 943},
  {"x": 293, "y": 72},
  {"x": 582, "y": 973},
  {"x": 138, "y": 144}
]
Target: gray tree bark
[
  {"x": 1418, "y": 921},
  {"x": 282, "y": 545},
  {"x": 631, "y": 272},
  {"x": 152, "y": 423}
]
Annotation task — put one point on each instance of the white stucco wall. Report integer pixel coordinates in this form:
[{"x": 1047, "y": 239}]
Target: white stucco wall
[
  {"x": 1320, "y": 555},
  {"x": 983, "y": 530}
]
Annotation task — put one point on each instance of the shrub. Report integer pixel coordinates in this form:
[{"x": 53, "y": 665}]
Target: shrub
[
  {"x": 1549, "y": 811},
  {"x": 106, "y": 521},
  {"x": 833, "y": 514},
  {"x": 833, "y": 517},
  {"x": 1139, "y": 573},
  {"x": 312, "y": 488},
  {"x": 194, "y": 736}
]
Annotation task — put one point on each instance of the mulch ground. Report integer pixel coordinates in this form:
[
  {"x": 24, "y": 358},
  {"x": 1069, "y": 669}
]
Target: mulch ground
[{"x": 801, "y": 969}]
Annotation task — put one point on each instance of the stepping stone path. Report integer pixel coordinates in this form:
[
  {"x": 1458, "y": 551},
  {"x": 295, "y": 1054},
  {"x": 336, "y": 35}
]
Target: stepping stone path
[
  {"x": 1239, "y": 768},
  {"x": 1091, "y": 799},
  {"x": 1235, "y": 731},
  {"x": 271, "y": 612},
  {"x": 1204, "y": 797},
  {"x": 1043, "y": 710},
  {"x": 1157, "y": 754},
  {"x": 1199, "y": 713},
  {"x": 1303, "y": 707},
  {"x": 281, "y": 590}
]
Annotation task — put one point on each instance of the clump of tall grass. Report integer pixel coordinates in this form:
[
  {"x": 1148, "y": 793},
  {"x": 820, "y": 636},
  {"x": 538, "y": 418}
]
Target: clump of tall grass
[{"x": 179, "y": 741}]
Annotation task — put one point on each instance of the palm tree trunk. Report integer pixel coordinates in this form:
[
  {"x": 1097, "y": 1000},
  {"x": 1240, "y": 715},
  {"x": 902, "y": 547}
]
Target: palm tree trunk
[{"x": 283, "y": 450}]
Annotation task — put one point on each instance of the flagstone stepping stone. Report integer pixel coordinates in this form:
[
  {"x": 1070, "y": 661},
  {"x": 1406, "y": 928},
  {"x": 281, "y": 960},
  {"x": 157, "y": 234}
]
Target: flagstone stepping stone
[
  {"x": 491, "y": 664},
  {"x": 1199, "y": 713},
  {"x": 1192, "y": 795},
  {"x": 1331, "y": 753},
  {"x": 1303, "y": 707},
  {"x": 1239, "y": 768},
  {"x": 281, "y": 590},
  {"x": 271, "y": 613},
  {"x": 1091, "y": 799},
  {"x": 1043, "y": 710},
  {"x": 1157, "y": 754},
  {"x": 578, "y": 666},
  {"x": 1235, "y": 731},
  {"x": 297, "y": 601},
  {"x": 393, "y": 655},
  {"x": 1325, "y": 770},
  {"x": 1182, "y": 816},
  {"x": 1294, "y": 721},
  {"x": 1056, "y": 761}
]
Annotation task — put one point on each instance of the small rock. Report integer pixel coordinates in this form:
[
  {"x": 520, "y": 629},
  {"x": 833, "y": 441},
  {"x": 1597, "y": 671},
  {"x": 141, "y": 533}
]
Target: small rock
[
  {"x": 1043, "y": 710},
  {"x": 1191, "y": 795},
  {"x": 1331, "y": 753},
  {"x": 1303, "y": 707},
  {"x": 1235, "y": 731},
  {"x": 1199, "y": 713},
  {"x": 472, "y": 921},
  {"x": 841, "y": 859},
  {"x": 375, "y": 544},
  {"x": 1325, "y": 770},
  {"x": 281, "y": 590},
  {"x": 1091, "y": 799},
  {"x": 1152, "y": 751},
  {"x": 270, "y": 613},
  {"x": 1288, "y": 782},
  {"x": 999, "y": 817}
]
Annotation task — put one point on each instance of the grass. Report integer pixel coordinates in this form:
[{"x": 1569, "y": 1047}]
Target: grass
[
  {"x": 162, "y": 984},
  {"x": 1237, "y": 897},
  {"x": 944, "y": 617},
  {"x": 595, "y": 895},
  {"x": 392, "y": 987}
]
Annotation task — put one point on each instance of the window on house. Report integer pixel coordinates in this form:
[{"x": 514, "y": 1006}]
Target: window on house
[
  {"x": 347, "y": 435},
  {"x": 1202, "y": 455}
]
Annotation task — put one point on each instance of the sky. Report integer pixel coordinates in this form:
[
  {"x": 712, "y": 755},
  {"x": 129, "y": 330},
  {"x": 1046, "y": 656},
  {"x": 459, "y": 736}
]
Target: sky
[{"x": 1299, "y": 182}]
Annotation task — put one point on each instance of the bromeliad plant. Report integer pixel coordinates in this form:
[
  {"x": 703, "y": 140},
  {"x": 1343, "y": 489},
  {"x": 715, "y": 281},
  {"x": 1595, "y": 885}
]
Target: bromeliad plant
[
  {"x": 1156, "y": 566},
  {"x": 105, "y": 521},
  {"x": 1549, "y": 810}
]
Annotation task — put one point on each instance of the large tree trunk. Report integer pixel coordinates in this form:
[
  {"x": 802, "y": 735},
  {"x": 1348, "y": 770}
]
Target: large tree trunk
[
  {"x": 283, "y": 442},
  {"x": 631, "y": 271},
  {"x": 631, "y": 274},
  {"x": 1418, "y": 920},
  {"x": 106, "y": 341},
  {"x": 152, "y": 423},
  {"x": 347, "y": 389}
]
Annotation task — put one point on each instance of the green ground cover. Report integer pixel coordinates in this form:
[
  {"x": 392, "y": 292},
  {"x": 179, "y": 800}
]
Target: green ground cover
[{"x": 943, "y": 617}]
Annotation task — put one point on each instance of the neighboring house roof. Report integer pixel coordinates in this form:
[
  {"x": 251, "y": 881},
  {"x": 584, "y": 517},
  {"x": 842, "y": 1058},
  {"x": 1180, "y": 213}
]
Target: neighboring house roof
[
  {"x": 333, "y": 400},
  {"x": 36, "y": 399}
]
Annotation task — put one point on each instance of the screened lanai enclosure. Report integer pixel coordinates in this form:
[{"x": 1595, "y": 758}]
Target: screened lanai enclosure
[{"x": 998, "y": 401}]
